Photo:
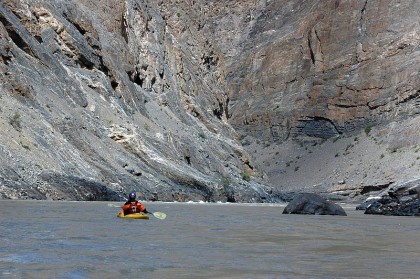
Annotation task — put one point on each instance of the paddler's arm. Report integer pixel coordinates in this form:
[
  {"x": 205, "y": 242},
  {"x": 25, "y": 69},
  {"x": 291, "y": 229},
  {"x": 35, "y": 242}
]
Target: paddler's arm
[{"x": 142, "y": 208}]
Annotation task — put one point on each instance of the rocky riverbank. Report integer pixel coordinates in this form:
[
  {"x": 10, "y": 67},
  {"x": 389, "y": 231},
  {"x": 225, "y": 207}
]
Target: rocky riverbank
[{"x": 402, "y": 199}]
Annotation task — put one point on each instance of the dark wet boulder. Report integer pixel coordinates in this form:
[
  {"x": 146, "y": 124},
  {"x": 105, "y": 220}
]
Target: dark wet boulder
[
  {"x": 402, "y": 199},
  {"x": 309, "y": 203},
  {"x": 395, "y": 207}
]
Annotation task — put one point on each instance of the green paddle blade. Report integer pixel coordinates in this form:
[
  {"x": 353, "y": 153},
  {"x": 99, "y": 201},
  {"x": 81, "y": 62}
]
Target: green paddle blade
[{"x": 159, "y": 215}]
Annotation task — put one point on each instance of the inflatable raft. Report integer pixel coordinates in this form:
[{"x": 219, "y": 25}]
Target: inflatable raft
[{"x": 133, "y": 216}]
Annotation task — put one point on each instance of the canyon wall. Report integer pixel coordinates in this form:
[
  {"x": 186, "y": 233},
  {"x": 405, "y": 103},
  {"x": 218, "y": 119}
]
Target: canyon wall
[
  {"x": 99, "y": 98},
  {"x": 325, "y": 94},
  {"x": 321, "y": 69},
  {"x": 241, "y": 101}
]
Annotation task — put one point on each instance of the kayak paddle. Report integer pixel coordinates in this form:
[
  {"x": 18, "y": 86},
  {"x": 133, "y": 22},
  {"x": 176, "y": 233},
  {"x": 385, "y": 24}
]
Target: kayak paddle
[{"x": 159, "y": 215}]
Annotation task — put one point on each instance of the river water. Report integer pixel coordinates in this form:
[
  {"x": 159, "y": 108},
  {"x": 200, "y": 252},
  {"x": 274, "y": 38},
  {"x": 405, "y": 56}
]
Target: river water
[{"x": 41, "y": 239}]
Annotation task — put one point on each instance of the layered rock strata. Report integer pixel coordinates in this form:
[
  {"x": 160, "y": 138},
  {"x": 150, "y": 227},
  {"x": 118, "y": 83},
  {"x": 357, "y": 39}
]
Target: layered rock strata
[
  {"x": 207, "y": 100},
  {"x": 325, "y": 94},
  {"x": 99, "y": 98}
]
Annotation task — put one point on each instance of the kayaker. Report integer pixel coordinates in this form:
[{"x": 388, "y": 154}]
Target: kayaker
[{"x": 133, "y": 206}]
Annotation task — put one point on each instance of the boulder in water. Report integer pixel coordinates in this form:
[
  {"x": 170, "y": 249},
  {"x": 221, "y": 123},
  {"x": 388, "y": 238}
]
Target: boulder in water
[{"x": 310, "y": 203}]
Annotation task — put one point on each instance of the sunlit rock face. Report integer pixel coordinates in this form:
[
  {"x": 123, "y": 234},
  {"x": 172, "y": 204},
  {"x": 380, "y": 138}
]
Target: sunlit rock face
[
  {"x": 204, "y": 100},
  {"x": 103, "y": 97}
]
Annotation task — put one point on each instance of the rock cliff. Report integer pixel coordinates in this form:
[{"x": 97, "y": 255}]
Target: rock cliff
[
  {"x": 103, "y": 97},
  {"x": 325, "y": 94},
  {"x": 240, "y": 101}
]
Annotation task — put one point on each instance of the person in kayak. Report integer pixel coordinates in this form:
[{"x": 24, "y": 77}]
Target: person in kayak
[{"x": 133, "y": 206}]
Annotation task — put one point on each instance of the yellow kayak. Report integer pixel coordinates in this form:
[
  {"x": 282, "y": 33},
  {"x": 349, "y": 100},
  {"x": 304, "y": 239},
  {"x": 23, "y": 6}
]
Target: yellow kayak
[{"x": 133, "y": 216}]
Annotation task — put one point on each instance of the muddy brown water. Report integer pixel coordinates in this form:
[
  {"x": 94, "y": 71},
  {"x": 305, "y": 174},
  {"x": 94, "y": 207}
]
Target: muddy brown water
[{"x": 44, "y": 239}]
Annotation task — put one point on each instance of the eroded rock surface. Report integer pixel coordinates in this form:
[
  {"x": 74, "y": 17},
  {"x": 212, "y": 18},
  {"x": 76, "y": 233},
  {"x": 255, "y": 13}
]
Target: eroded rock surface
[
  {"x": 325, "y": 94},
  {"x": 207, "y": 100},
  {"x": 102, "y": 97}
]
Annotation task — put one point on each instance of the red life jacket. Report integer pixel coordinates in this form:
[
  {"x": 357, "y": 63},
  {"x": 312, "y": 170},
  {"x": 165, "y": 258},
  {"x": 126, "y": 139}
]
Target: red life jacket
[{"x": 131, "y": 208}]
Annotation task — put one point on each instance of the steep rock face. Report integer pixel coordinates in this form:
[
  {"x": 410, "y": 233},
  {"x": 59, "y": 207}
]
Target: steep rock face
[
  {"x": 325, "y": 94},
  {"x": 328, "y": 68},
  {"x": 207, "y": 100},
  {"x": 103, "y": 97}
]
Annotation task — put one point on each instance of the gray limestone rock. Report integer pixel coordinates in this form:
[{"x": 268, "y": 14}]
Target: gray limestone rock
[{"x": 242, "y": 101}]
